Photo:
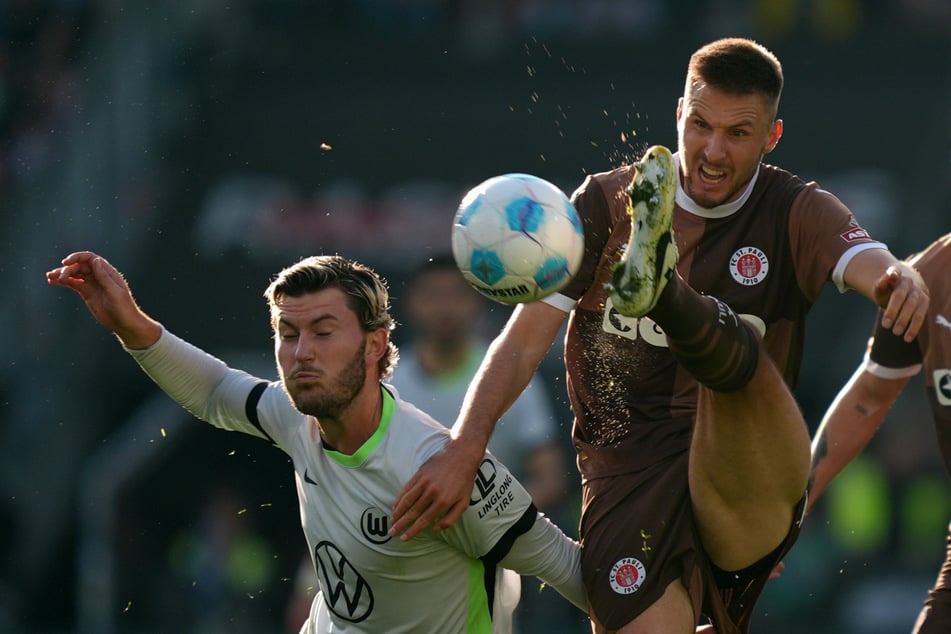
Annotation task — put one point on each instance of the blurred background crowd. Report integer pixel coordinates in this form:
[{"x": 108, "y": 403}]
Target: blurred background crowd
[{"x": 201, "y": 146}]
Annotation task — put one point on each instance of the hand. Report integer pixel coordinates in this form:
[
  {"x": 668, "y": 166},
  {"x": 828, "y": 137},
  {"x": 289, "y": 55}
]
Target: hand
[
  {"x": 107, "y": 297},
  {"x": 904, "y": 296},
  {"x": 439, "y": 492}
]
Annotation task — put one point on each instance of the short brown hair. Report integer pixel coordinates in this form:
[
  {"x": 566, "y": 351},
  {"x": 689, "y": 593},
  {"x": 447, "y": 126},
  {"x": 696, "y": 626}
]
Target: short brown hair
[{"x": 738, "y": 66}]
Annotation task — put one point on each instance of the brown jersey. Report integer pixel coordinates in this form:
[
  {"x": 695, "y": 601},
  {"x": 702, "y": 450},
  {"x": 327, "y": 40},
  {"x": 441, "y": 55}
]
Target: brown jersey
[{"x": 768, "y": 259}]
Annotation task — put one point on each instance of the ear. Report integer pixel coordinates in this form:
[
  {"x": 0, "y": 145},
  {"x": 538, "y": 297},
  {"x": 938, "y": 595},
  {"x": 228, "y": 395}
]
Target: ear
[
  {"x": 680, "y": 108},
  {"x": 377, "y": 344},
  {"x": 775, "y": 134}
]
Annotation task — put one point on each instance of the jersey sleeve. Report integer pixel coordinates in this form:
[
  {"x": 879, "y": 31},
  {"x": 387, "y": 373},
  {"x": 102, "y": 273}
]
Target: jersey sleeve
[
  {"x": 592, "y": 205},
  {"x": 546, "y": 552},
  {"x": 203, "y": 384},
  {"x": 824, "y": 237}
]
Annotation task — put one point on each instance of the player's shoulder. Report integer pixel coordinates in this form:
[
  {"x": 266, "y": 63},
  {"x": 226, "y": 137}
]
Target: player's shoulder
[
  {"x": 414, "y": 430},
  {"x": 609, "y": 180},
  {"x": 936, "y": 256}
]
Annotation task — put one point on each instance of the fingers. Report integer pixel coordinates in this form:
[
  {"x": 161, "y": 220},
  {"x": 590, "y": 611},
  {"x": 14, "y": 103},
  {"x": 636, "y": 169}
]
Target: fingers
[
  {"x": 79, "y": 256},
  {"x": 907, "y": 305},
  {"x": 422, "y": 522},
  {"x": 75, "y": 268},
  {"x": 438, "y": 493},
  {"x": 423, "y": 503},
  {"x": 418, "y": 507},
  {"x": 407, "y": 509},
  {"x": 451, "y": 516}
]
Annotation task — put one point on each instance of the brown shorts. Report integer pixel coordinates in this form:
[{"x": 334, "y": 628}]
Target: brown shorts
[{"x": 638, "y": 535}]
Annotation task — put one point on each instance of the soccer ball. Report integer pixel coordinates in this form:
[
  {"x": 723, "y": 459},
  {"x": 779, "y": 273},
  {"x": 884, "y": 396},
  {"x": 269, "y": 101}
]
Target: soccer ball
[{"x": 517, "y": 238}]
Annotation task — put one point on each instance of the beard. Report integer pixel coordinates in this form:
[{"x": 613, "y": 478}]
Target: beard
[{"x": 339, "y": 394}]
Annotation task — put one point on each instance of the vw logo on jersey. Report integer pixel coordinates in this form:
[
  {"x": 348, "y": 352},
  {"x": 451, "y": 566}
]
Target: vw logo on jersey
[
  {"x": 627, "y": 575},
  {"x": 346, "y": 593},
  {"x": 374, "y": 524},
  {"x": 942, "y": 386},
  {"x": 749, "y": 266}
]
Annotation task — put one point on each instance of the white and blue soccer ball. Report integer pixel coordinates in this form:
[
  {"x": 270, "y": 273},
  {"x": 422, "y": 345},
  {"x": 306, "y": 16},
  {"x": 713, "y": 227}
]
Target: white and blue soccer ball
[{"x": 517, "y": 238}]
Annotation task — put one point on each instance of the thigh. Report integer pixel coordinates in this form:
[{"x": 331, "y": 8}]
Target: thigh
[{"x": 749, "y": 466}]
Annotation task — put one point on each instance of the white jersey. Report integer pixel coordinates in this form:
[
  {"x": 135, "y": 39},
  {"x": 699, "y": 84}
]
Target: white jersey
[{"x": 369, "y": 581}]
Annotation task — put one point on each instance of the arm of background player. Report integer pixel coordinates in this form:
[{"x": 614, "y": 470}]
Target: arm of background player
[
  {"x": 440, "y": 489},
  {"x": 849, "y": 424}
]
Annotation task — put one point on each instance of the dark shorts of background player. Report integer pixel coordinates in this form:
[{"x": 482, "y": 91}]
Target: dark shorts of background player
[
  {"x": 638, "y": 535},
  {"x": 935, "y": 618}
]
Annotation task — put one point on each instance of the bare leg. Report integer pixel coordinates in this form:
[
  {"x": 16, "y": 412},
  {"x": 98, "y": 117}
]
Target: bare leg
[
  {"x": 749, "y": 465},
  {"x": 672, "y": 613}
]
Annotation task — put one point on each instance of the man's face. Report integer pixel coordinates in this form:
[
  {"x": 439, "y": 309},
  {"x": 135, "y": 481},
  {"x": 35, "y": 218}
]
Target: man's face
[
  {"x": 321, "y": 352},
  {"x": 722, "y": 138},
  {"x": 443, "y": 307}
]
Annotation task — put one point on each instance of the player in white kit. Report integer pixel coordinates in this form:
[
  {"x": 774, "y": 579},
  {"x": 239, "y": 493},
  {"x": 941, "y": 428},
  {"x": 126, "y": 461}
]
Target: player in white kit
[{"x": 354, "y": 444}]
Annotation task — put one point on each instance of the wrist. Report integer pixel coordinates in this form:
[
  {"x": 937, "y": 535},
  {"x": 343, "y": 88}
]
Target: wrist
[
  {"x": 468, "y": 449},
  {"x": 141, "y": 336}
]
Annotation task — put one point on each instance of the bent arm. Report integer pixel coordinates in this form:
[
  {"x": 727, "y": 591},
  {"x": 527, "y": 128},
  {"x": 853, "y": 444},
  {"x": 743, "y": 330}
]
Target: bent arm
[
  {"x": 549, "y": 554},
  {"x": 849, "y": 424}
]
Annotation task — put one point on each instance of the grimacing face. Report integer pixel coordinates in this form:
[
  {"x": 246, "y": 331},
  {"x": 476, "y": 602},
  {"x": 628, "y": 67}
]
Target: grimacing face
[
  {"x": 722, "y": 137},
  {"x": 322, "y": 352}
]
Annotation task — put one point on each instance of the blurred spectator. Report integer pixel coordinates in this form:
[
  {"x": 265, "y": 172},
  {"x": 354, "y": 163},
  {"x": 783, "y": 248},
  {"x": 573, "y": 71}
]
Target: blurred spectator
[
  {"x": 447, "y": 318},
  {"x": 39, "y": 45},
  {"x": 219, "y": 565}
]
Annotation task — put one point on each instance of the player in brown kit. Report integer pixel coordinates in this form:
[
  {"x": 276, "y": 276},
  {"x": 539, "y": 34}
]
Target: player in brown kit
[
  {"x": 685, "y": 333},
  {"x": 863, "y": 402}
]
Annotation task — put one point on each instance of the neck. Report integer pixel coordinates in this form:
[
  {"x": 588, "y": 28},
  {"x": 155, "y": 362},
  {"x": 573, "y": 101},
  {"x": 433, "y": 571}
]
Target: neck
[{"x": 350, "y": 428}]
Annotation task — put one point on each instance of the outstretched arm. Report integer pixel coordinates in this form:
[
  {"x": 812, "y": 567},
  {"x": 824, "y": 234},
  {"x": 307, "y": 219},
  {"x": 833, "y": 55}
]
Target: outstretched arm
[
  {"x": 894, "y": 286},
  {"x": 849, "y": 424},
  {"x": 199, "y": 382},
  {"x": 439, "y": 492},
  {"x": 107, "y": 297}
]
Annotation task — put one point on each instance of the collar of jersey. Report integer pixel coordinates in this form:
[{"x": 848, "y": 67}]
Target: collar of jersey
[
  {"x": 361, "y": 454},
  {"x": 720, "y": 211}
]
